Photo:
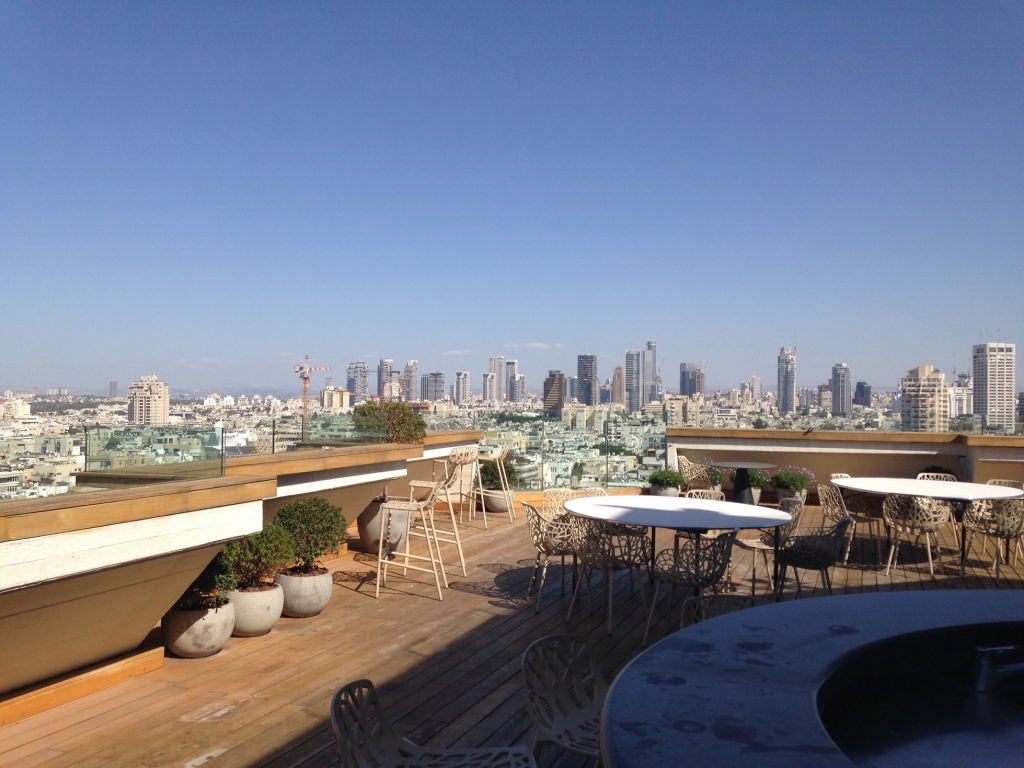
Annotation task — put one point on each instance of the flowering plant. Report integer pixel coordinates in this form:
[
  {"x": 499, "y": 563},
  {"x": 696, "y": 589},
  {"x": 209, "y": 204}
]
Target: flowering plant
[
  {"x": 793, "y": 478},
  {"x": 757, "y": 478}
]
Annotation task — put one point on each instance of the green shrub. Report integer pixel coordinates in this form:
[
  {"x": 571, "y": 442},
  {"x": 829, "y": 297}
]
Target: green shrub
[
  {"x": 206, "y": 591},
  {"x": 714, "y": 475},
  {"x": 666, "y": 478},
  {"x": 757, "y": 478},
  {"x": 257, "y": 559},
  {"x": 315, "y": 527},
  {"x": 395, "y": 421},
  {"x": 489, "y": 475},
  {"x": 792, "y": 479}
]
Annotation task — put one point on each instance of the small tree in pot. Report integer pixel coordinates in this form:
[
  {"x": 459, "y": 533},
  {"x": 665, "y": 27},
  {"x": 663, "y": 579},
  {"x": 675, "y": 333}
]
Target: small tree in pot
[
  {"x": 315, "y": 527},
  {"x": 254, "y": 561},
  {"x": 490, "y": 479},
  {"x": 665, "y": 482},
  {"x": 200, "y": 623}
]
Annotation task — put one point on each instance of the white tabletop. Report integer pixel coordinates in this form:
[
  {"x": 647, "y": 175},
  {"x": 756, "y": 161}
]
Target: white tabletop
[
  {"x": 676, "y": 512},
  {"x": 933, "y": 489}
]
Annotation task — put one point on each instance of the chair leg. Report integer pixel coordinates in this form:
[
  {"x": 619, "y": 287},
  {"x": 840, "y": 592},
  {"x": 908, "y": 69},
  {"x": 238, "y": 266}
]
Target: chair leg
[
  {"x": 385, "y": 533},
  {"x": 533, "y": 576},
  {"x": 928, "y": 546},
  {"x": 458, "y": 542},
  {"x": 849, "y": 543},
  {"x": 572, "y": 602},
  {"x": 543, "y": 575},
  {"x": 826, "y": 581},
  {"x": 892, "y": 552},
  {"x": 768, "y": 571},
  {"x": 999, "y": 555},
  {"x": 650, "y": 615},
  {"x": 969, "y": 539},
  {"x": 611, "y": 595},
  {"x": 780, "y": 583},
  {"x": 562, "y": 594},
  {"x": 428, "y": 519}
]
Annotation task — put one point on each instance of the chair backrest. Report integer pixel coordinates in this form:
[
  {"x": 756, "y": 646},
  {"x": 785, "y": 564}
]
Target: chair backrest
[
  {"x": 364, "y": 737},
  {"x": 795, "y": 508},
  {"x": 552, "y": 500},
  {"x": 560, "y": 679},
  {"x": 695, "y": 475},
  {"x": 914, "y": 514},
  {"x": 705, "y": 493},
  {"x": 697, "y": 562},
  {"x": 553, "y": 537},
  {"x": 831, "y": 501},
  {"x": 945, "y": 477},
  {"x": 424, "y": 492},
  {"x": 840, "y": 476},
  {"x": 595, "y": 491},
  {"x": 1004, "y": 519},
  {"x": 1007, "y": 483}
]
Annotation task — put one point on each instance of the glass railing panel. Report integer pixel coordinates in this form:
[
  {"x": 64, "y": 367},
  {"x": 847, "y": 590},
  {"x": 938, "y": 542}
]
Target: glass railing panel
[{"x": 153, "y": 453}]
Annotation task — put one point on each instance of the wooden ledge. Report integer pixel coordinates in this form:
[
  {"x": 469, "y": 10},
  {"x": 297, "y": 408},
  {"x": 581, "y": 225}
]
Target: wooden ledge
[
  {"x": 297, "y": 462},
  {"x": 453, "y": 436}
]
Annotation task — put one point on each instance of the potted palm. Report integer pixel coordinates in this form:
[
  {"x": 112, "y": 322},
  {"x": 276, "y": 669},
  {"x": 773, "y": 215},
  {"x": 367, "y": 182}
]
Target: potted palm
[
  {"x": 254, "y": 561},
  {"x": 490, "y": 479},
  {"x": 200, "y": 623},
  {"x": 757, "y": 483},
  {"x": 316, "y": 527},
  {"x": 792, "y": 483},
  {"x": 665, "y": 482}
]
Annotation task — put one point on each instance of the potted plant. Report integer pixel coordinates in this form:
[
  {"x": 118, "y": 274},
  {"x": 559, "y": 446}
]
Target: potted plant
[
  {"x": 368, "y": 524},
  {"x": 200, "y": 623},
  {"x": 490, "y": 479},
  {"x": 792, "y": 483},
  {"x": 715, "y": 476},
  {"x": 316, "y": 527},
  {"x": 665, "y": 482},
  {"x": 254, "y": 562},
  {"x": 757, "y": 483}
]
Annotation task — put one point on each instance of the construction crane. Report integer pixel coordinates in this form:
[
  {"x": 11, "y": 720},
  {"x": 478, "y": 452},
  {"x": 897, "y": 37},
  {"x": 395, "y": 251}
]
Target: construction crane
[{"x": 304, "y": 369}]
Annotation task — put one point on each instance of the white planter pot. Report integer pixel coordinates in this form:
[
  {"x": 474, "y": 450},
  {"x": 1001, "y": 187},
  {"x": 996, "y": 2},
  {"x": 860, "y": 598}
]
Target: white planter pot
[
  {"x": 785, "y": 493},
  {"x": 369, "y": 528},
  {"x": 756, "y": 493},
  {"x": 195, "y": 634},
  {"x": 305, "y": 596},
  {"x": 497, "y": 501},
  {"x": 666, "y": 490},
  {"x": 256, "y": 612}
]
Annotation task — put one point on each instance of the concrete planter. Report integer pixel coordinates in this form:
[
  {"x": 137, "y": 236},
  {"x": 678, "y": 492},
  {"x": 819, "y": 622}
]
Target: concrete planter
[
  {"x": 368, "y": 524},
  {"x": 305, "y": 596},
  {"x": 664, "y": 490},
  {"x": 196, "y": 634},
  {"x": 756, "y": 493},
  {"x": 256, "y": 612},
  {"x": 498, "y": 502},
  {"x": 786, "y": 493}
]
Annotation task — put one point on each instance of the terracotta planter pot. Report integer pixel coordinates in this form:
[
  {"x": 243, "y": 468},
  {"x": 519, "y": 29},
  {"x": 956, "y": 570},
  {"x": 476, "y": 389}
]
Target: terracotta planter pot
[
  {"x": 256, "y": 612},
  {"x": 664, "y": 490},
  {"x": 305, "y": 596},
  {"x": 196, "y": 634}
]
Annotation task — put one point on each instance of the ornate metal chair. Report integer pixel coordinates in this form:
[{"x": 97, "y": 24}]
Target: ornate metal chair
[
  {"x": 607, "y": 548},
  {"x": 1018, "y": 485},
  {"x": 812, "y": 550},
  {"x": 552, "y": 537},
  {"x": 404, "y": 512},
  {"x": 1000, "y": 520},
  {"x": 913, "y": 516},
  {"x": 945, "y": 477},
  {"x": 855, "y": 501},
  {"x": 764, "y": 541},
  {"x": 365, "y": 739},
  {"x": 705, "y": 493},
  {"x": 695, "y": 475},
  {"x": 833, "y": 507},
  {"x": 565, "y": 693},
  {"x": 696, "y": 564}
]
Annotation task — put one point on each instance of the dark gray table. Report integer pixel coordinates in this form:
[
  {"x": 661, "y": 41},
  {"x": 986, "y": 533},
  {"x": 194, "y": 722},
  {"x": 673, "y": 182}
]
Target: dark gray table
[{"x": 741, "y": 485}]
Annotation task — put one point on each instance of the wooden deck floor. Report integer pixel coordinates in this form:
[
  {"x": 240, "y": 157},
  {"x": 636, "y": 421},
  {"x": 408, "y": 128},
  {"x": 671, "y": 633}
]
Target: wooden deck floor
[{"x": 448, "y": 671}]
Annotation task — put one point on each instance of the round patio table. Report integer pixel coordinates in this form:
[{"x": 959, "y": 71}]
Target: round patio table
[{"x": 741, "y": 493}]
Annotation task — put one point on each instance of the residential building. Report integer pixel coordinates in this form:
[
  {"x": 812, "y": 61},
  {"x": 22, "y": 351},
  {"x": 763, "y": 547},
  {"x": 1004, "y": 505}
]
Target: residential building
[
  {"x": 113, "y": 389},
  {"x": 15, "y": 409},
  {"x": 756, "y": 387},
  {"x": 842, "y": 390},
  {"x": 149, "y": 401},
  {"x": 681, "y": 411},
  {"x": 961, "y": 396},
  {"x": 554, "y": 392},
  {"x": 995, "y": 384},
  {"x": 511, "y": 371},
  {"x": 691, "y": 379},
  {"x": 332, "y": 399},
  {"x": 357, "y": 380},
  {"x": 588, "y": 387},
  {"x": 489, "y": 391},
  {"x": 924, "y": 401},
  {"x": 460, "y": 393},
  {"x": 410, "y": 383},
  {"x": 497, "y": 367},
  {"x": 384, "y": 370},
  {"x": 618, "y": 385},
  {"x": 862, "y": 394},
  {"x": 517, "y": 389},
  {"x": 787, "y": 380},
  {"x": 634, "y": 379},
  {"x": 432, "y": 386},
  {"x": 825, "y": 397}
]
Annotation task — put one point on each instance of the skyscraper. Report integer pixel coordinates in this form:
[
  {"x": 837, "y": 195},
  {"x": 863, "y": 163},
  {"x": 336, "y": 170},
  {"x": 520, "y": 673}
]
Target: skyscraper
[
  {"x": 432, "y": 386},
  {"x": 554, "y": 392},
  {"x": 488, "y": 389},
  {"x": 862, "y": 394},
  {"x": 649, "y": 389},
  {"x": 461, "y": 392},
  {"x": 634, "y": 376},
  {"x": 384, "y": 369},
  {"x": 149, "y": 401},
  {"x": 113, "y": 389},
  {"x": 517, "y": 388},
  {"x": 755, "y": 387},
  {"x": 691, "y": 379},
  {"x": 357, "y": 379},
  {"x": 587, "y": 387},
  {"x": 842, "y": 391},
  {"x": 787, "y": 380},
  {"x": 924, "y": 401},
  {"x": 619, "y": 385},
  {"x": 409, "y": 382},
  {"x": 511, "y": 370},
  {"x": 995, "y": 384},
  {"x": 497, "y": 367}
]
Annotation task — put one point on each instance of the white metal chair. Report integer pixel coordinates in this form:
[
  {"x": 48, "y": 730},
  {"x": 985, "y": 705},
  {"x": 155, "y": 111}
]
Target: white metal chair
[
  {"x": 945, "y": 477},
  {"x": 812, "y": 550},
  {"x": 695, "y": 475},
  {"x": 1018, "y": 485},
  {"x": 1000, "y": 520},
  {"x": 763, "y": 541},
  {"x": 833, "y": 507},
  {"x": 505, "y": 491},
  {"x": 403, "y": 512},
  {"x": 913, "y": 516},
  {"x": 552, "y": 537}
]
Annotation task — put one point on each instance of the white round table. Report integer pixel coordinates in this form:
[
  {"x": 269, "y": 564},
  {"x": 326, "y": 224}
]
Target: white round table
[{"x": 933, "y": 489}]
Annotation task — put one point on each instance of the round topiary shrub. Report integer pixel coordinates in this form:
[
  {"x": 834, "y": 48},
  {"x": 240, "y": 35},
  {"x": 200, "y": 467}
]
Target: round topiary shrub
[
  {"x": 255, "y": 561},
  {"x": 315, "y": 527}
]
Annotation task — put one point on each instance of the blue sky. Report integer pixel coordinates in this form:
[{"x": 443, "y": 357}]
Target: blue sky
[{"x": 210, "y": 191}]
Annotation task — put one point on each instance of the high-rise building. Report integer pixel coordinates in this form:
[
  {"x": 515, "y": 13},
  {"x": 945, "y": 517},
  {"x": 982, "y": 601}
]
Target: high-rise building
[
  {"x": 113, "y": 389},
  {"x": 825, "y": 397},
  {"x": 149, "y": 401},
  {"x": 384, "y": 370},
  {"x": 619, "y": 385},
  {"x": 650, "y": 373},
  {"x": 995, "y": 384},
  {"x": 332, "y": 399},
  {"x": 357, "y": 379},
  {"x": 961, "y": 396},
  {"x": 409, "y": 381},
  {"x": 511, "y": 370},
  {"x": 461, "y": 392},
  {"x": 432, "y": 386},
  {"x": 587, "y": 387},
  {"x": 787, "y": 380},
  {"x": 497, "y": 367},
  {"x": 634, "y": 379},
  {"x": 862, "y": 394},
  {"x": 489, "y": 391},
  {"x": 691, "y": 379},
  {"x": 554, "y": 392},
  {"x": 517, "y": 389},
  {"x": 842, "y": 390},
  {"x": 924, "y": 401},
  {"x": 755, "y": 387}
]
